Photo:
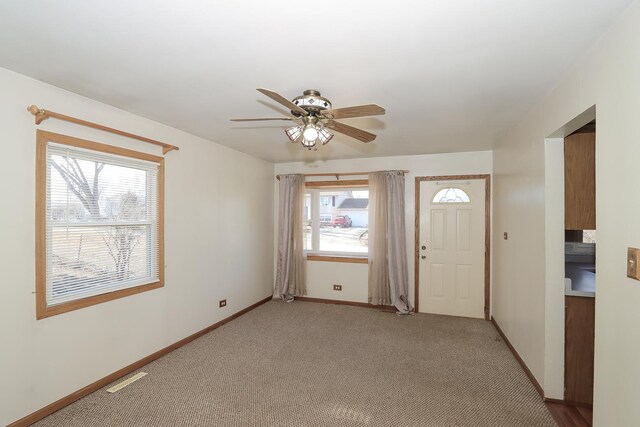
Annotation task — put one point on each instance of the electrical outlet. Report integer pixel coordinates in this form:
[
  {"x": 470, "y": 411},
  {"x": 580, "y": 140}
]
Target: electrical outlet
[
  {"x": 223, "y": 303},
  {"x": 337, "y": 287}
]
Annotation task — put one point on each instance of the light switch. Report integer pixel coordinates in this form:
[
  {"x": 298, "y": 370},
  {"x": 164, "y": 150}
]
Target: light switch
[
  {"x": 633, "y": 255},
  {"x": 505, "y": 236}
]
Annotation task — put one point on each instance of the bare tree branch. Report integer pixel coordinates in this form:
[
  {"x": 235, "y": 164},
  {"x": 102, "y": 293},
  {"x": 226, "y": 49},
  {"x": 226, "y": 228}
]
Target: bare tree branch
[
  {"x": 69, "y": 179},
  {"x": 77, "y": 182},
  {"x": 120, "y": 241}
]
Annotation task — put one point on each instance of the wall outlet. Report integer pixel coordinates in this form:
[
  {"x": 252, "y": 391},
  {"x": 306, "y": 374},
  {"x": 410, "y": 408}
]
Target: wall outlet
[
  {"x": 337, "y": 287},
  {"x": 223, "y": 303}
]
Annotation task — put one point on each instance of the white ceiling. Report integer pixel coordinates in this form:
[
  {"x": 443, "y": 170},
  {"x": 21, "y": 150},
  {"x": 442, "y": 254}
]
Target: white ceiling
[{"x": 452, "y": 74}]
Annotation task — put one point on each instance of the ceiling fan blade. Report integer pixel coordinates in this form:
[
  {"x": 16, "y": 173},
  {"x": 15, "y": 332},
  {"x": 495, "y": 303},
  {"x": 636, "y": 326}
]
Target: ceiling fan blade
[
  {"x": 260, "y": 119},
  {"x": 284, "y": 101},
  {"x": 357, "y": 111},
  {"x": 356, "y": 133}
]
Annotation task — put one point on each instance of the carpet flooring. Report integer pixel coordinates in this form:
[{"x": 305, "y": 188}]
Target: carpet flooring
[{"x": 309, "y": 364}]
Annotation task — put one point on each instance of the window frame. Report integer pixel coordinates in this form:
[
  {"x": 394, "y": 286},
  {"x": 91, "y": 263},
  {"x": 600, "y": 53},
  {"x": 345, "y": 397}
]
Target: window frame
[
  {"x": 43, "y": 310},
  {"x": 319, "y": 186}
]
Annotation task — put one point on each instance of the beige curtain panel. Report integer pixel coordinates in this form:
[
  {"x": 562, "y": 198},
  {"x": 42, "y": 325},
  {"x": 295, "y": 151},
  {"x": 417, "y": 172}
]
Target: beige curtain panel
[
  {"x": 291, "y": 270},
  {"x": 388, "y": 270}
]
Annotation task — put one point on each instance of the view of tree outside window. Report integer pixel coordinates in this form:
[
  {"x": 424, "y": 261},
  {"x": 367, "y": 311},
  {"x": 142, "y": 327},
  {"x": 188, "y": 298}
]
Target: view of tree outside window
[{"x": 100, "y": 226}]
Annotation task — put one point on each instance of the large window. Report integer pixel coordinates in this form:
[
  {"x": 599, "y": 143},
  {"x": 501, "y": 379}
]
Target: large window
[
  {"x": 99, "y": 220},
  {"x": 337, "y": 221}
]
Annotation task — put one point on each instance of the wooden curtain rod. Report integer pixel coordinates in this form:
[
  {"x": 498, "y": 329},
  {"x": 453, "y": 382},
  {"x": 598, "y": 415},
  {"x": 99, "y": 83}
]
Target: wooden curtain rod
[
  {"x": 337, "y": 175},
  {"x": 42, "y": 114}
]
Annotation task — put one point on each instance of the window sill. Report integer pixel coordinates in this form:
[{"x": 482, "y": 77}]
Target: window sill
[
  {"x": 43, "y": 311},
  {"x": 337, "y": 258}
]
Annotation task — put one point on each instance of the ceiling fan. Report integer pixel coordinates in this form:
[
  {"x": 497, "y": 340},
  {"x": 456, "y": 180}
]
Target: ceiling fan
[{"x": 315, "y": 116}]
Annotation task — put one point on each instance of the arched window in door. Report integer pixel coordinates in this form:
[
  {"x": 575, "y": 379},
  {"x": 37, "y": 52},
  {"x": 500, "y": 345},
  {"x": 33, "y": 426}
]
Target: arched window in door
[{"x": 451, "y": 195}]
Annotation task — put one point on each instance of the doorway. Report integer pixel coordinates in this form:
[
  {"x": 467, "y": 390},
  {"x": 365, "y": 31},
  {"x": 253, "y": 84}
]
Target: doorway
[
  {"x": 452, "y": 253},
  {"x": 557, "y": 287}
]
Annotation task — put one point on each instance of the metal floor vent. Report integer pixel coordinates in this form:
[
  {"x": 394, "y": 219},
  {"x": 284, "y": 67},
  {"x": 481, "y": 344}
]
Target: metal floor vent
[{"x": 126, "y": 382}]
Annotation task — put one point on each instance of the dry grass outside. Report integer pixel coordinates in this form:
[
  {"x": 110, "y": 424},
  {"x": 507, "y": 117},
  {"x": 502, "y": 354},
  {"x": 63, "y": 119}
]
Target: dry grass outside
[
  {"x": 337, "y": 239},
  {"x": 86, "y": 257}
]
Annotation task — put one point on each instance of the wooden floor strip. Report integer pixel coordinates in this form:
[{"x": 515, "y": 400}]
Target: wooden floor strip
[
  {"x": 570, "y": 416},
  {"x": 587, "y": 414}
]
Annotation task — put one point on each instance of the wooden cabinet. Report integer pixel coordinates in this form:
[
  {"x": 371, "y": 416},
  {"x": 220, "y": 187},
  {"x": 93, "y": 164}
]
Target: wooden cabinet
[
  {"x": 580, "y": 181},
  {"x": 578, "y": 349}
]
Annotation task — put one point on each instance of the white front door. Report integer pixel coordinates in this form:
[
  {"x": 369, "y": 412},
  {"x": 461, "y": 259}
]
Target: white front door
[{"x": 452, "y": 247}]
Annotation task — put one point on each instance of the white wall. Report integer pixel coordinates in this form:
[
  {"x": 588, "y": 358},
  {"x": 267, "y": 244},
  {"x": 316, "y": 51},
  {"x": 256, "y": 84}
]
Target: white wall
[
  {"x": 608, "y": 77},
  {"x": 321, "y": 274},
  {"x": 218, "y": 240},
  {"x": 554, "y": 271}
]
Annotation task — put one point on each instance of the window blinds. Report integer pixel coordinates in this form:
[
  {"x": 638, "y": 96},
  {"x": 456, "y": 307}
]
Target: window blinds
[{"x": 101, "y": 223}]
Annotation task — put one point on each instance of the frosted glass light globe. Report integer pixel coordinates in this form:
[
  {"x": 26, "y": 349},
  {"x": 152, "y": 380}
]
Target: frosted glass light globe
[{"x": 310, "y": 133}]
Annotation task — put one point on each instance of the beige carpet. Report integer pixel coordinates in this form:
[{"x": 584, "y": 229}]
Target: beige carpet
[{"x": 309, "y": 364}]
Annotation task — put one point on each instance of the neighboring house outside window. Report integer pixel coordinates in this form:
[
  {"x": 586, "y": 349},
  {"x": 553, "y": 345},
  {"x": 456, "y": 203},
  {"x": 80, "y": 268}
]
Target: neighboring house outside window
[
  {"x": 328, "y": 200},
  {"x": 357, "y": 210},
  {"x": 325, "y": 219},
  {"x": 99, "y": 225},
  {"x": 337, "y": 220}
]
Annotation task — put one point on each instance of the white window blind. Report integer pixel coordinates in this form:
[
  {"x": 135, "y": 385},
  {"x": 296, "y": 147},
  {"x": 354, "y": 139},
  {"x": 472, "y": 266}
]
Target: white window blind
[{"x": 101, "y": 223}]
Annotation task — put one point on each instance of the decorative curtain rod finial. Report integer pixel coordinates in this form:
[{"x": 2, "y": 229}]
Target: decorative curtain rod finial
[
  {"x": 40, "y": 113},
  {"x": 33, "y": 109}
]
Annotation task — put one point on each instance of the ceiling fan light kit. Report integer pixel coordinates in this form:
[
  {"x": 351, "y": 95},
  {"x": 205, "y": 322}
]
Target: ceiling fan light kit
[
  {"x": 310, "y": 132},
  {"x": 315, "y": 114},
  {"x": 324, "y": 135},
  {"x": 294, "y": 133}
]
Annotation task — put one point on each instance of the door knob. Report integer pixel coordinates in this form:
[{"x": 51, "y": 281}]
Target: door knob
[{"x": 424, "y": 247}]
